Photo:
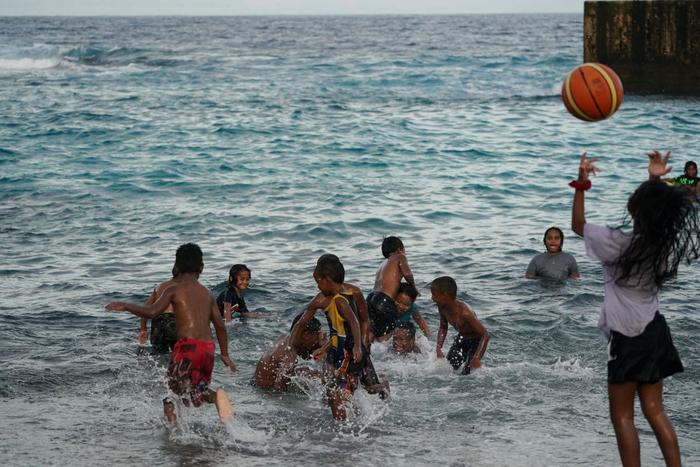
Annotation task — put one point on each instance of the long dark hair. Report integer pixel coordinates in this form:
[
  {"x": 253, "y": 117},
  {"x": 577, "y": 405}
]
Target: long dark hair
[{"x": 666, "y": 232}]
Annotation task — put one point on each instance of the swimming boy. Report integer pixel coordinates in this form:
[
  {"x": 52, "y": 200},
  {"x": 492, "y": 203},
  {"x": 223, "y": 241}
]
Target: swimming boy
[
  {"x": 163, "y": 328},
  {"x": 407, "y": 309},
  {"x": 345, "y": 358},
  {"x": 382, "y": 308},
  {"x": 470, "y": 344},
  {"x": 404, "y": 339},
  {"x": 277, "y": 365},
  {"x": 192, "y": 359}
]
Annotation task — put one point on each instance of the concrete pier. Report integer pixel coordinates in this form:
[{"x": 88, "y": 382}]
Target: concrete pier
[{"x": 653, "y": 45}]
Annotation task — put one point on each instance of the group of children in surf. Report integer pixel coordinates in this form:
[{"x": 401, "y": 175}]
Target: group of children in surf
[
  {"x": 636, "y": 265},
  {"x": 353, "y": 324}
]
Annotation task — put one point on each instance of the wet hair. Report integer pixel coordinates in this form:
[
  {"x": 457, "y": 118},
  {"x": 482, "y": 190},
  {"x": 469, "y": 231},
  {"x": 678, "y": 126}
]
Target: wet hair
[
  {"x": 390, "y": 245},
  {"x": 233, "y": 273},
  {"x": 409, "y": 290},
  {"x": 329, "y": 266},
  {"x": 408, "y": 326},
  {"x": 313, "y": 325},
  {"x": 688, "y": 165},
  {"x": 188, "y": 258},
  {"x": 561, "y": 235},
  {"x": 666, "y": 232},
  {"x": 446, "y": 285}
]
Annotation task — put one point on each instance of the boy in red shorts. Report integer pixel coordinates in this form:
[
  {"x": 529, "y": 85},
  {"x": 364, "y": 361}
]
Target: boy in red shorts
[{"x": 192, "y": 359}]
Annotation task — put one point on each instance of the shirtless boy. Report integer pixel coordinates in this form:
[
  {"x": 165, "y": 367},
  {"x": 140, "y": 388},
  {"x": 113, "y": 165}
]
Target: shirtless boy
[
  {"x": 192, "y": 359},
  {"x": 277, "y": 365},
  {"x": 382, "y": 308},
  {"x": 470, "y": 344}
]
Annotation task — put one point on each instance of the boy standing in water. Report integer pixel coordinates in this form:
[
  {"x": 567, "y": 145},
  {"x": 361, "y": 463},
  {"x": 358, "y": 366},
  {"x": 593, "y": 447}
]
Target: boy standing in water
[
  {"x": 470, "y": 344},
  {"x": 342, "y": 364},
  {"x": 382, "y": 308},
  {"x": 192, "y": 359}
]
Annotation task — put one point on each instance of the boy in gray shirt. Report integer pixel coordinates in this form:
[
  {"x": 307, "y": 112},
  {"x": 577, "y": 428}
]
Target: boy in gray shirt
[{"x": 554, "y": 263}]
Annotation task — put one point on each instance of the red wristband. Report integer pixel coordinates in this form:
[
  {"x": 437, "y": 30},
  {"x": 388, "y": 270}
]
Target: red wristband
[{"x": 578, "y": 186}]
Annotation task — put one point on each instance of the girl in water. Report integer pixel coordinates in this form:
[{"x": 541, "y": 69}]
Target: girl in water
[
  {"x": 636, "y": 265},
  {"x": 231, "y": 301}
]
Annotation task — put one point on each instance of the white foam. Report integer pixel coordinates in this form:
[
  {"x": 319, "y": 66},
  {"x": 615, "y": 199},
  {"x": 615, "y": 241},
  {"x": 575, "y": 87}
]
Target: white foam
[{"x": 29, "y": 63}]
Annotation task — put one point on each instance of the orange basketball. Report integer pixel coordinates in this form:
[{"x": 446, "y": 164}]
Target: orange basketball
[{"x": 592, "y": 92}]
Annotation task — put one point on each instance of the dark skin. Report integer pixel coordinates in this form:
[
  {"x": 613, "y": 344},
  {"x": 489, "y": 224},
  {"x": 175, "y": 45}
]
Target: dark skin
[
  {"x": 194, "y": 309},
  {"x": 391, "y": 271},
  {"x": 157, "y": 292},
  {"x": 463, "y": 319},
  {"x": 621, "y": 396},
  {"x": 278, "y": 364},
  {"x": 404, "y": 342},
  {"x": 362, "y": 313}
]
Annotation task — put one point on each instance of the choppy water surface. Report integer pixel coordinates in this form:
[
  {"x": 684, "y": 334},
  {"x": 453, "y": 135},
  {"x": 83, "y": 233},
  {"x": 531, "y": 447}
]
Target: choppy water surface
[{"x": 270, "y": 141}]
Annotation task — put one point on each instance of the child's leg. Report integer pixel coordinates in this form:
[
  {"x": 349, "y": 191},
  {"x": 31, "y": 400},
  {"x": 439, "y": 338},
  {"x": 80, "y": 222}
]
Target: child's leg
[
  {"x": 223, "y": 406},
  {"x": 651, "y": 398},
  {"x": 335, "y": 400},
  {"x": 169, "y": 410},
  {"x": 621, "y": 397}
]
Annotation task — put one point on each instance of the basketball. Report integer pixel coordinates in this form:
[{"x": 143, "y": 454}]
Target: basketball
[{"x": 592, "y": 92}]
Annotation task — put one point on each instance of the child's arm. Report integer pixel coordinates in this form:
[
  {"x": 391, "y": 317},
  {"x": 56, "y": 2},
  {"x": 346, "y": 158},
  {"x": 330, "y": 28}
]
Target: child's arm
[
  {"x": 349, "y": 316},
  {"x": 221, "y": 336},
  {"x": 578, "y": 215},
  {"x": 143, "y": 331},
  {"x": 405, "y": 270},
  {"x": 442, "y": 333},
  {"x": 478, "y": 328},
  {"x": 146, "y": 311},
  {"x": 319, "y": 301},
  {"x": 658, "y": 165},
  {"x": 421, "y": 324},
  {"x": 573, "y": 270},
  {"x": 531, "y": 272},
  {"x": 363, "y": 314}
]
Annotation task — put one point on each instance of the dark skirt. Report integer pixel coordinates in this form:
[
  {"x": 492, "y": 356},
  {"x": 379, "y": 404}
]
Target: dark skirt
[{"x": 646, "y": 358}]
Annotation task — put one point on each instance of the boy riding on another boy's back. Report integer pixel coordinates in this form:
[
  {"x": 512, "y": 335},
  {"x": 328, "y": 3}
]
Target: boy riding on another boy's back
[
  {"x": 470, "y": 344},
  {"x": 192, "y": 359},
  {"x": 382, "y": 308}
]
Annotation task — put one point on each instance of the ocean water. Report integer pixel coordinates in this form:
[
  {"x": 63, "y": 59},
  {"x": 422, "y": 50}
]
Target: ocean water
[{"x": 272, "y": 140}]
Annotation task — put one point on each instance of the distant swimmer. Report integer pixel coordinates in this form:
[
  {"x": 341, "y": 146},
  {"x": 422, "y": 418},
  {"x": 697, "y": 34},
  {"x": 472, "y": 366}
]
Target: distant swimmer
[
  {"x": 689, "y": 179},
  {"x": 278, "y": 365},
  {"x": 231, "y": 301},
  {"x": 470, "y": 344},
  {"x": 404, "y": 339},
  {"x": 553, "y": 263},
  {"x": 345, "y": 358},
  {"x": 192, "y": 359},
  {"x": 163, "y": 328},
  {"x": 382, "y": 308}
]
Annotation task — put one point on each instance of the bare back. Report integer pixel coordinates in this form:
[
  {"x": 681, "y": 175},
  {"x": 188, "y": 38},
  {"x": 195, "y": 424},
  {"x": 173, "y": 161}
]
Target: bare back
[
  {"x": 463, "y": 319},
  {"x": 193, "y": 306},
  {"x": 275, "y": 360},
  {"x": 389, "y": 275}
]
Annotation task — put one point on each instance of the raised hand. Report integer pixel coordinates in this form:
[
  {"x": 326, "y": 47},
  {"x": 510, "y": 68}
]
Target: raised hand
[
  {"x": 658, "y": 164},
  {"x": 586, "y": 166}
]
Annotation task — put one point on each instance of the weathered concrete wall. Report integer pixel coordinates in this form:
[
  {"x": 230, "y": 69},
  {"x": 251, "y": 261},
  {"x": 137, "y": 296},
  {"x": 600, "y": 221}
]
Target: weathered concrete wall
[{"x": 653, "y": 45}]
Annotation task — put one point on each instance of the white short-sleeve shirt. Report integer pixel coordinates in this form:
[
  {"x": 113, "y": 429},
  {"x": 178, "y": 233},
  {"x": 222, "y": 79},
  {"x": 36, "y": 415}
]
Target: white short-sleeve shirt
[{"x": 626, "y": 310}]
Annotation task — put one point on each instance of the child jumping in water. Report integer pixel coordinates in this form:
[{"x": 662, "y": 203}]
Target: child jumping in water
[
  {"x": 192, "y": 359},
  {"x": 665, "y": 231}
]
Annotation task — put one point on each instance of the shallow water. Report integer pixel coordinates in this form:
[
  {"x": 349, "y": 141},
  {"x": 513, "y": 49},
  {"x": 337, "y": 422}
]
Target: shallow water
[{"x": 270, "y": 141}]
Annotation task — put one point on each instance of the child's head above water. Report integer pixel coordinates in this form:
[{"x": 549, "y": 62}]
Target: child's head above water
[
  {"x": 404, "y": 337},
  {"x": 443, "y": 290},
  {"x": 188, "y": 259},
  {"x": 239, "y": 276},
  {"x": 690, "y": 169},
  {"x": 391, "y": 245},
  {"x": 310, "y": 337},
  {"x": 329, "y": 274},
  {"x": 665, "y": 221},
  {"x": 405, "y": 297},
  {"x": 553, "y": 239}
]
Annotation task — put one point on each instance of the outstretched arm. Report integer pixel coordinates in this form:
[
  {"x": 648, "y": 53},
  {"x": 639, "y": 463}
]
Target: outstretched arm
[
  {"x": 221, "y": 336},
  {"x": 319, "y": 302},
  {"x": 442, "y": 333},
  {"x": 146, "y": 311},
  {"x": 421, "y": 324},
  {"x": 143, "y": 331},
  {"x": 578, "y": 216}
]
